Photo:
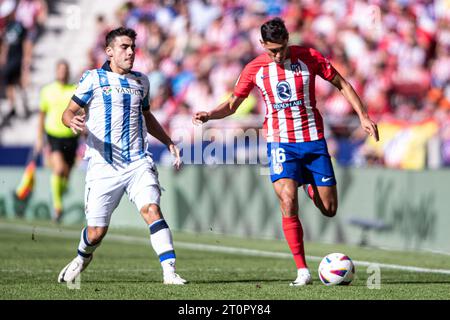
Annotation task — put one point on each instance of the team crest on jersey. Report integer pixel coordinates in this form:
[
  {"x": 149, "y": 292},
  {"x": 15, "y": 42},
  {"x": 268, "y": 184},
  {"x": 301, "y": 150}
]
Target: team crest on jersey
[
  {"x": 277, "y": 168},
  {"x": 284, "y": 90},
  {"x": 295, "y": 67},
  {"x": 107, "y": 90}
]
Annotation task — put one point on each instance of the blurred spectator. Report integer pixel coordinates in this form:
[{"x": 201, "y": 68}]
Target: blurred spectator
[
  {"x": 12, "y": 64},
  {"x": 32, "y": 14},
  {"x": 395, "y": 54}
]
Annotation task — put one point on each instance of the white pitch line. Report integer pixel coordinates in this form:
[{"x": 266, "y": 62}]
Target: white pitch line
[
  {"x": 206, "y": 247},
  {"x": 131, "y": 270}
]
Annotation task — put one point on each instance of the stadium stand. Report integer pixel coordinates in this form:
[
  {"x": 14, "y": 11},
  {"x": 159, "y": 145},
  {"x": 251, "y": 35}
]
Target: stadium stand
[
  {"x": 66, "y": 33},
  {"x": 395, "y": 53}
]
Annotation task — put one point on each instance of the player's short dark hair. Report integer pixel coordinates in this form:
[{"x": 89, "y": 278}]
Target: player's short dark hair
[
  {"x": 274, "y": 31},
  {"x": 118, "y": 33}
]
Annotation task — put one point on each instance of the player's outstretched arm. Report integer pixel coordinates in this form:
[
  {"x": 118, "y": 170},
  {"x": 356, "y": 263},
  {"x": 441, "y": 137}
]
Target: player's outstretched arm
[
  {"x": 73, "y": 119},
  {"x": 156, "y": 130},
  {"x": 223, "y": 110},
  {"x": 352, "y": 97}
]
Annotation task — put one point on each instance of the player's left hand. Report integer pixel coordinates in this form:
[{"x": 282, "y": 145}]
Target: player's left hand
[
  {"x": 77, "y": 124},
  {"x": 177, "y": 163},
  {"x": 370, "y": 127}
]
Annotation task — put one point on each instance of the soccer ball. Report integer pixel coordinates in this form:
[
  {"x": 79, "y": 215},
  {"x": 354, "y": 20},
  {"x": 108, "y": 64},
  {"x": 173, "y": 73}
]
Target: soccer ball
[{"x": 336, "y": 269}]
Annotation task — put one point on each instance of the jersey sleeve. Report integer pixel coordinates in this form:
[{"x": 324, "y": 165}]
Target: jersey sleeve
[
  {"x": 324, "y": 68},
  {"x": 244, "y": 83},
  {"x": 85, "y": 89}
]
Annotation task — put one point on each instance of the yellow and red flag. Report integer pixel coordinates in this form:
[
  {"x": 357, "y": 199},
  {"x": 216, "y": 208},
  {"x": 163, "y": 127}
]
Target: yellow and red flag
[{"x": 26, "y": 184}]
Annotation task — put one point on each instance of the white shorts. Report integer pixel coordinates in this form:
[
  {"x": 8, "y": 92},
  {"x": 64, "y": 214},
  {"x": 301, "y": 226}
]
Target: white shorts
[{"x": 105, "y": 186}]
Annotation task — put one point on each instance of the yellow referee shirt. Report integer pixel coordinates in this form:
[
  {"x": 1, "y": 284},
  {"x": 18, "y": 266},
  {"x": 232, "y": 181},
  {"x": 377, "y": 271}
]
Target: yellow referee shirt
[{"x": 54, "y": 99}]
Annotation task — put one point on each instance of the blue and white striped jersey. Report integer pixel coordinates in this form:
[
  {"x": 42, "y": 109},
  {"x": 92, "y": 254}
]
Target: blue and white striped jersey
[{"x": 114, "y": 120}]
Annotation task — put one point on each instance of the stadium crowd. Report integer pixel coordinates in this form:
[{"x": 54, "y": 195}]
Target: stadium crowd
[
  {"x": 21, "y": 24},
  {"x": 395, "y": 53}
]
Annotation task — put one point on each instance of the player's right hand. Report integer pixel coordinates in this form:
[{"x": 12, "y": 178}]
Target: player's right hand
[
  {"x": 77, "y": 124},
  {"x": 200, "y": 117}
]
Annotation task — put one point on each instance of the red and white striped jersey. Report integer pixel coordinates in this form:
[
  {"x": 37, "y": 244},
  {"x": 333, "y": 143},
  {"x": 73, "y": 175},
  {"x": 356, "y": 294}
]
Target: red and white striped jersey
[{"x": 289, "y": 92}]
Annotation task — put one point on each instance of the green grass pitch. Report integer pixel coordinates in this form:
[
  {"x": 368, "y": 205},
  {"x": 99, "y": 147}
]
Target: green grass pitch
[{"x": 31, "y": 256}]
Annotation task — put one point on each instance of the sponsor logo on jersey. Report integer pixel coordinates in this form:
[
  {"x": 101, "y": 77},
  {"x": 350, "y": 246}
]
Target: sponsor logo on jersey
[
  {"x": 284, "y": 105},
  {"x": 284, "y": 90},
  {"x": 132, "y": 91},
  {"x": 106, "y": 90}
]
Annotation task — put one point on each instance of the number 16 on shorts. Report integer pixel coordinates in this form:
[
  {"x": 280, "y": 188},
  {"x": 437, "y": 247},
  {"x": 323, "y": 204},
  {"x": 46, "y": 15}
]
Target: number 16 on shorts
[{"x": 278, "y": 158}]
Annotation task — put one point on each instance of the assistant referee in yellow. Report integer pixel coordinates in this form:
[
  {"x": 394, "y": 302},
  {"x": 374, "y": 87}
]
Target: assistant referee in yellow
[{"x": 54, "y": 98}]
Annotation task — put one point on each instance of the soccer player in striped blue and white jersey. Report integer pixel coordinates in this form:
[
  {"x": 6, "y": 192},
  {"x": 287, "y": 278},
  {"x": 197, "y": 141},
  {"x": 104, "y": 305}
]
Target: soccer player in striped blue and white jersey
[{"x": 117, "y": 118}]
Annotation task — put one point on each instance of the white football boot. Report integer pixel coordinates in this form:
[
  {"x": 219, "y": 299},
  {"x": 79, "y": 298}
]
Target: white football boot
[
  {"x": 173, "y": 278},
  {"x": 73, "y": 269},
  {"x": 303, "y": 278}
]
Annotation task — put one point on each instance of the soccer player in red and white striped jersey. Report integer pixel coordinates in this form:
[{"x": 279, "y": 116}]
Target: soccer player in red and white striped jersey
[{"x": 296, "y": 147}]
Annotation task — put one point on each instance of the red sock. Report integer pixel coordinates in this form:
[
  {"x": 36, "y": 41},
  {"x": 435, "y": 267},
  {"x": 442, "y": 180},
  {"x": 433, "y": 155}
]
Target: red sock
[{"x": 293, "y": 232}]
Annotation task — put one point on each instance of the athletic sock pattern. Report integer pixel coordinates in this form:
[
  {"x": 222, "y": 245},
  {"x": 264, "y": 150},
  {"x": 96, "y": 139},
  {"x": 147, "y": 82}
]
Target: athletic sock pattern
[
  {"x": 293, "y": 232},
  {"x": 162, "y": 243},
  {"x": 85, "y": 248}
]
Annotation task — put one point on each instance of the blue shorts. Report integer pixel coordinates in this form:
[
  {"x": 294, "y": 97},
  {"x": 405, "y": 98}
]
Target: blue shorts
[{"x": 305, "y": 162}]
